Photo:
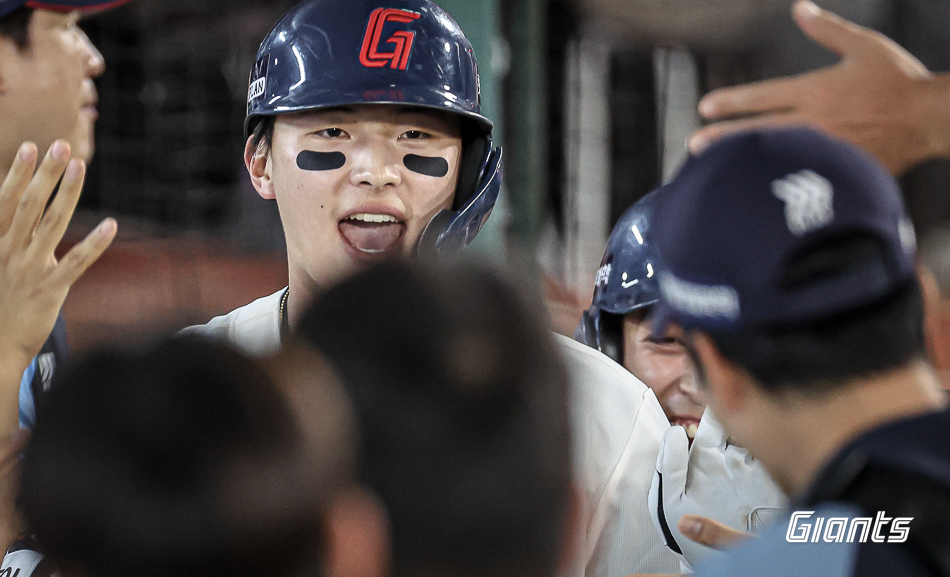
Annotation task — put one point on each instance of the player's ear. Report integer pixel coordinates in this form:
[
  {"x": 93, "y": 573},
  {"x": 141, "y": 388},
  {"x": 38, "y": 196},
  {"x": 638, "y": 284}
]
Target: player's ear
[
  {"x": 256, "y": 159},
  {"x": 727, "y": 383}
]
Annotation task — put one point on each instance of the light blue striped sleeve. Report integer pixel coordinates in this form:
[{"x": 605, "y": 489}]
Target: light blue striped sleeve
[{"x": 27, "y": 406}]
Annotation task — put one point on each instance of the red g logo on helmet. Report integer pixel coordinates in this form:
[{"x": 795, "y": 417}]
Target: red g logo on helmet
[{"x": 398, "y": 59}]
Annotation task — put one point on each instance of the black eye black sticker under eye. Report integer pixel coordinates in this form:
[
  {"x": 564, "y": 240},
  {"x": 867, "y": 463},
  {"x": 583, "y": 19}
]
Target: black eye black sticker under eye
[
  {"x": 427, "y": 165},
  {"x": 313, "y": 160}
]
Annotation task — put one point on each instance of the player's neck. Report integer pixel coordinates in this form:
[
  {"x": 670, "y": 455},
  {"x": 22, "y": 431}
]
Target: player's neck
[
  {"x": 299, "y": 298},
  {"x": 817, "y": 428}
]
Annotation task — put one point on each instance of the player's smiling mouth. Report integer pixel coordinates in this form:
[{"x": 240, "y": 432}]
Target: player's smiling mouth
[{"x": 372, "y": 235}]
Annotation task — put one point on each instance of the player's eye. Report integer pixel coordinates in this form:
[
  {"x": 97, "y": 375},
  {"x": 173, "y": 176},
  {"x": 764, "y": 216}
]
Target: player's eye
[
  {"x": 332, "y": 133},
  {"x": 666, "y": 344},
  {"x": 415, "y": 135}
]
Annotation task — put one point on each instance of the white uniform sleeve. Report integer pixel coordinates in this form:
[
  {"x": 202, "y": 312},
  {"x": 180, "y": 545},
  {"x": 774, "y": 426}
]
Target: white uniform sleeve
[
  {"x": 253, "y": 328},
  {"x": 617, "y": 425}
]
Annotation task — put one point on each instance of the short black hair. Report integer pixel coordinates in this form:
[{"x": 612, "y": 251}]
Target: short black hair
[
  {"x": 16, "y": 26},
  {"x": 461, "y": 400},
  {"x": 817, "y": 355},
  {"x": 176, "y": 460},
  {"x": 262, "y": 133}
]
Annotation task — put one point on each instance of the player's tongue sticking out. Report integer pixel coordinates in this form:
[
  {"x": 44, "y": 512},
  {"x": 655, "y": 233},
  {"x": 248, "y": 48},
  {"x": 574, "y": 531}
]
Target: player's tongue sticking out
[{"x": 372, "y": 233}]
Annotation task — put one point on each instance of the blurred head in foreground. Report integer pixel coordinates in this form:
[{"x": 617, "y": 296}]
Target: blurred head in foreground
[
  {"x": 183, "y": 459},
  {"x": 789, "y": 260},
  {"x": 461, "y": 403}
]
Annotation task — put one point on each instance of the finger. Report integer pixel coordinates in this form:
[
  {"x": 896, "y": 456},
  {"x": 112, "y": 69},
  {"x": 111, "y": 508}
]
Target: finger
[
  {"x": 33, "y": 201},
  {"x": 754, "y": 98},
  {"x": 53, "y": 225},
  {"x": 710, "y": 533},
  {"x": 704, "y": 137},
  {"x": 828, "y": 29},
  {"x": 16, "y": 181},
  {"x": 83, "y": 255}
]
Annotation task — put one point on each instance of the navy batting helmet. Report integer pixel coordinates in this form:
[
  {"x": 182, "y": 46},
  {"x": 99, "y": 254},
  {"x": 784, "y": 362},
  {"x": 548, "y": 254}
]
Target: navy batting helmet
[
  {"x": 626, "y": 280},
  {"x": 326, "y": 53}
]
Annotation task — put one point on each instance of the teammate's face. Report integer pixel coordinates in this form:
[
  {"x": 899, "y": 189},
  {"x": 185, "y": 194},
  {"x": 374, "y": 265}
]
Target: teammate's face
[
  {"x": 357, "y": 184},
  {"x": 662, "y": 362},
  {"x": 46, "y": 89}
]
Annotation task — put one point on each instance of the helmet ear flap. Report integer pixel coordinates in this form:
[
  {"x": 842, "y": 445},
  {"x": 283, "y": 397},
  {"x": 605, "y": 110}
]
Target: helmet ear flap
[
  {"x": 475, "y": 147},
  {"x": 610, "y": 336},
  {"x": 602, "y": 331},
  {"x": 450, "y": 231}
]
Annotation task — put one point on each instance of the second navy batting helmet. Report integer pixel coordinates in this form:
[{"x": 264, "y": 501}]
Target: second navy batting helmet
[
  {"x": 626, "y": 280},
  {"x": 327, "y": 53}
]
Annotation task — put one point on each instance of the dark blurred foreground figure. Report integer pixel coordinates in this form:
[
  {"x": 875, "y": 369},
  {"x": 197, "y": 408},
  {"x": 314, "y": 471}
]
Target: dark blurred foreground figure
[
  {"x": 461, "y": 401},
  {"x": 186, "y": 460},
  {"x": 789, "y": 260}
]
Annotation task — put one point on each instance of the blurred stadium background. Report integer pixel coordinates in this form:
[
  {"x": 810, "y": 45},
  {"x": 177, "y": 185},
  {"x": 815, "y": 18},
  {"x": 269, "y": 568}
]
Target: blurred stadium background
[{"x": 593, "y": 100}]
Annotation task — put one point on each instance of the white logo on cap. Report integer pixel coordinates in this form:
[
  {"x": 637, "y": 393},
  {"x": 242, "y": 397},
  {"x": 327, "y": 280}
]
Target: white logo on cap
[
  {"x": 807, "y": 196},
  {"x": 700, "y": 300}
]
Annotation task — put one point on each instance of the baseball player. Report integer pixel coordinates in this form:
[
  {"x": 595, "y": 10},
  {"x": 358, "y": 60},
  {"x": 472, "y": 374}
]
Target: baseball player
[
  {"x": 788, "y": 259},
  {"x": 47, "y": 68},
  {"x": 33, "y": 285},
  {"x": 364, "y": 125},
  {"x": 617, "y": 325},
  {"x": 699, "y": 471},
  {"x": 48, "y": 100}
]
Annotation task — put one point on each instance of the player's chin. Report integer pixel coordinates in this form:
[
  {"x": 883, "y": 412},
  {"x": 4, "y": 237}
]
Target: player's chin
[{"x": 83, "y": 145}]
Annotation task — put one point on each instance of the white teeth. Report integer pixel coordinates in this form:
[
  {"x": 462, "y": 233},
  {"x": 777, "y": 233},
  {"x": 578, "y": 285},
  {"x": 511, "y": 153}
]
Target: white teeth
[
  {"x": 691, "y": 430},
  {"x": 366, "y": 217}
]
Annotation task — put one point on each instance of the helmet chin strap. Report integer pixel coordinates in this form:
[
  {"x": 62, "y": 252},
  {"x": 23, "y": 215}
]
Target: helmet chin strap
[{"x": 450, "y": 231}]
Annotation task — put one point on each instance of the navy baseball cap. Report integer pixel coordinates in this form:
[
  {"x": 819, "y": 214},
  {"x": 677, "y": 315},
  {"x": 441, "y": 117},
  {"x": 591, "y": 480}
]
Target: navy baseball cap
[
  {"x": 7, "y": 6},
  {"x": 734, "y": 218}
]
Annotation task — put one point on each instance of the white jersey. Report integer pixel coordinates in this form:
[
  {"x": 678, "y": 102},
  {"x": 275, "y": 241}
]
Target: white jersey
[{"x": 616, "y": 423}]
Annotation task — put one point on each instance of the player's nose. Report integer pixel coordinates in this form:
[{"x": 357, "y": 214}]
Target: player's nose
[
  {"x": 95, "y": 61},
  {"x": 375, "y": 165}
]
